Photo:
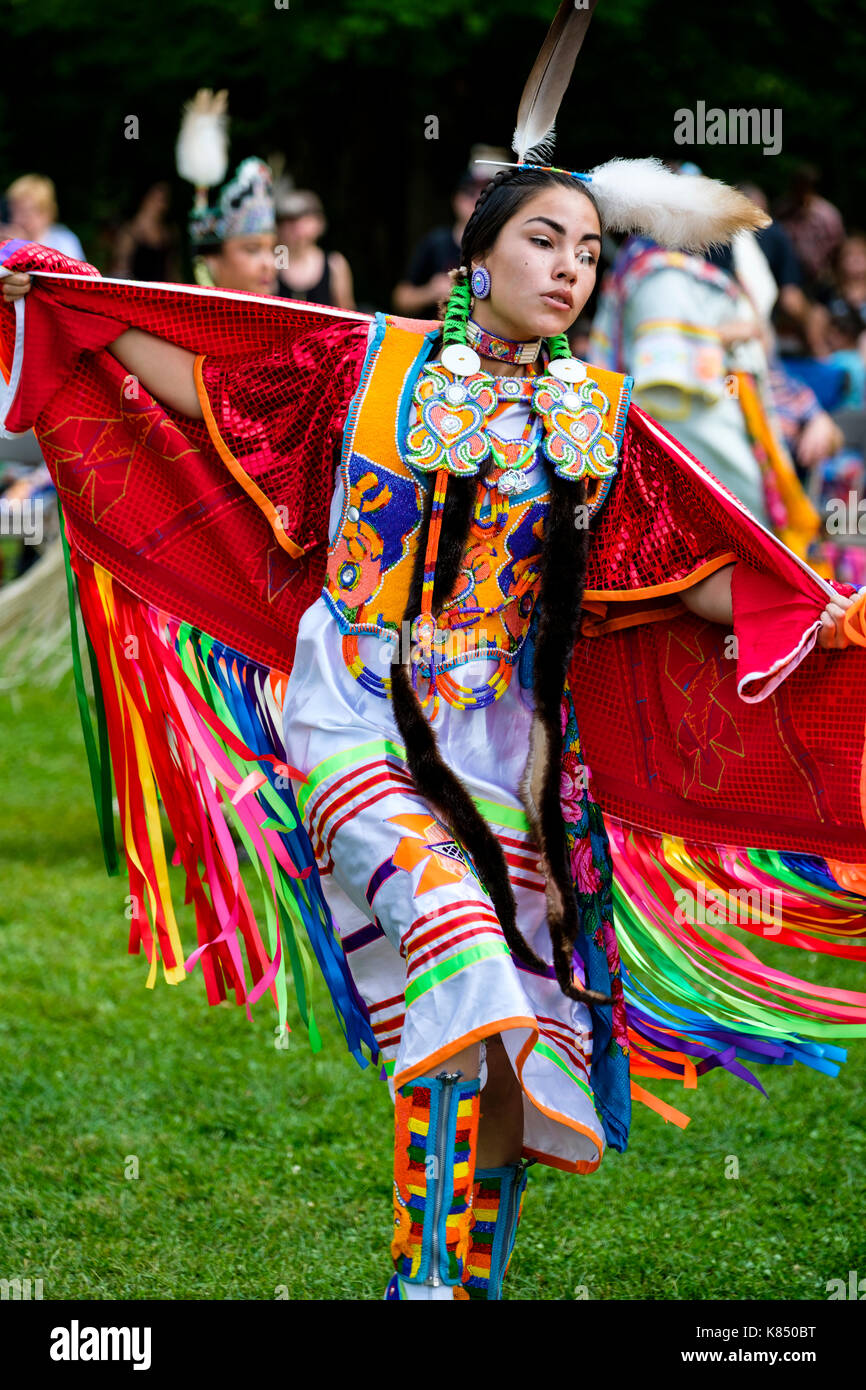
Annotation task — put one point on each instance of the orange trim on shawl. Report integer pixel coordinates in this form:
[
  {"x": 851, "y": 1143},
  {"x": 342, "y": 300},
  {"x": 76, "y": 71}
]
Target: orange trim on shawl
[
  {"x": 238, "y": 473},
  {"x": 595, "y": 601}
]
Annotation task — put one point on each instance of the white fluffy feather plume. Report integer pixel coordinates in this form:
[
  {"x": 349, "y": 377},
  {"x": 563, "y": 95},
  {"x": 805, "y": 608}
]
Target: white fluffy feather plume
[
  {"x": 202, "y": 143},
  {"x": 687, "y": 212}
]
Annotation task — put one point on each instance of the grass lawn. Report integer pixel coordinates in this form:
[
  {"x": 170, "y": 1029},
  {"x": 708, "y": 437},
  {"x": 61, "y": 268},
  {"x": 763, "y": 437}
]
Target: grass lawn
[{"x": 261, "y": 1169}]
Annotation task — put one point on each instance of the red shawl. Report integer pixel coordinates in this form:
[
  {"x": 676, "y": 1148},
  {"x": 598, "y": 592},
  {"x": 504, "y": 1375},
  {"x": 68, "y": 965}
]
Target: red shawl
[
  {"x": 220, "y": 528},
  {"x": 183, "y": 517}
]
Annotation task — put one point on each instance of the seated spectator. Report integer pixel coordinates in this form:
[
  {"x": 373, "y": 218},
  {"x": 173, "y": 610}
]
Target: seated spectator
[
  {"x": 849, "y": 289},
  {"x": 845, "y": 333},
  {"x": 781, "y": 258},
  {"x": 814, "y": 225}
]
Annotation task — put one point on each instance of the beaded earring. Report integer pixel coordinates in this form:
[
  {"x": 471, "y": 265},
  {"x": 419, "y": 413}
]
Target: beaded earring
[
  {"x": 454, "y": 397},
  {"x": 480, "y": 282}
]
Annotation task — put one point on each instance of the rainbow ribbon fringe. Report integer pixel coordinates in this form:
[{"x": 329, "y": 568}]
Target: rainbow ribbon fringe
[
  {"x": 703, "y": 999},
  {"x": 195, "y": 725},
  {"x": 190, "y": 723}
]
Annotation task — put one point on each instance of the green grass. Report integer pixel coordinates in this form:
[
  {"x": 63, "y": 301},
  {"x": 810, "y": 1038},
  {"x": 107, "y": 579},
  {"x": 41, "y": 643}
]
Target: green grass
[{"x": 261, "y": 1168}]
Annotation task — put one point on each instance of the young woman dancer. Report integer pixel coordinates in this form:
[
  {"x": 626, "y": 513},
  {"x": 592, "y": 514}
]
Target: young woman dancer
[{"x": 497, "y": 523}]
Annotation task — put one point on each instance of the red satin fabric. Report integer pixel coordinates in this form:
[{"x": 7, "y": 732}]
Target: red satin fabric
[
  {"x": 670, "y": 743},
  {"x": 144, "y": 491}
]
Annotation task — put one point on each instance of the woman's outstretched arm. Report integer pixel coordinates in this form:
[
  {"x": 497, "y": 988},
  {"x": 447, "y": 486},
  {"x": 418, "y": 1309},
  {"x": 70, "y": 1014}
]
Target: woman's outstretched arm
[
  {"x": 711, "y": 599},
  {"x": 163, "y": 369}
]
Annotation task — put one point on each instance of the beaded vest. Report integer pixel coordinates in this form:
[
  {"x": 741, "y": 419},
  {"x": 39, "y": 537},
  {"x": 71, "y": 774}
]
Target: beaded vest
[{"x": 372, "y": 554}]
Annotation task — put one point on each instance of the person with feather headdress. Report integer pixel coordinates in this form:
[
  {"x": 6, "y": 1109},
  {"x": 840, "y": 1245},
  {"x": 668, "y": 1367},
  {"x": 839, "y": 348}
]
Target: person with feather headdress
[
  {"x": 690, "y": 330},
  {"x": 479, "y": 658},
  {"x": 232, "y": 231}
]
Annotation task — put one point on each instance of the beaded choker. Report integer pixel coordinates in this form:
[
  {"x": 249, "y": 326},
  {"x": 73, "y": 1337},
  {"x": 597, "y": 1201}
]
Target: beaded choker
[{"x": 500, "y": 349}]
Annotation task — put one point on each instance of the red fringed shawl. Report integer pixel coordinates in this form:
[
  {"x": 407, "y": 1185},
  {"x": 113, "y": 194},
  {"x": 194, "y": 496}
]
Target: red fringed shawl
[
  {"x": 216, "y": 532},
  {"x": 671, "y": 743}
]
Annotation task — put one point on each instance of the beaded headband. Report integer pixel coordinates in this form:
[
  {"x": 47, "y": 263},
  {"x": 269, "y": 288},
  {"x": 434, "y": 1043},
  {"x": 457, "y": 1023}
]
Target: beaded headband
[
  {"x": 539, "y": 168},
  {"x": 641, "y": 197},
  {"x": 244, "y": 206}
]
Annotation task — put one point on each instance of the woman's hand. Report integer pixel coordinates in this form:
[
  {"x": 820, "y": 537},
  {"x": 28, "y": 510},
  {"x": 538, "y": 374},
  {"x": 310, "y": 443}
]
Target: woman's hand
[
  {"x": 16, "y": 285},
  {"x": 831, "y": 635},
  {"x": 821, "y": 437},
  {"x": 739, "y": 331},
  {"x": 711, "y": 598}
]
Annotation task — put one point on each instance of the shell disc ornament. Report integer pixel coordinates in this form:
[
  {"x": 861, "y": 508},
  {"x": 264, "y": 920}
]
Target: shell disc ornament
[
  {"x": 575, "y": 440},
  {"x": 460, "y": 360},
  {"x": 567, "y": 369}
]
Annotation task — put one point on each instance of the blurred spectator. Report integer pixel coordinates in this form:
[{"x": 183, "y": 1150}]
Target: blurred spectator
[
  {"x": 778, "y": 248},
  {"x": 809, "y": 432},
  {"x": 814, "y": 225},
  {"x": 33, "y": 215},
  {"x": 313, "y": 274},
  {"x": 233, "y": 238},
  {"x": 829, "y": 460},
  {"x": 844, "y": 336},
  {"x": 147, "y": 247},
  {"x": 684, "y": 328},
  {"x": 427, "y": 282},
  {"x": 31, "y": 488},
  {"x": 849, "y": 289},
  {"x": 828, "y": 379}
]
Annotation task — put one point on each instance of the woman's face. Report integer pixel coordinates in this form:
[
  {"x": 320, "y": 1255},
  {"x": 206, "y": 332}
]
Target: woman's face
[
  {"x": 30, "y": 215},
  {"x": 300, "y": 231},
  {"x": 246, "y": 263},
  {"x": 852, "y": 258},
  {"x": 542, "y": 267},
  {"x": 156, "y": 200}
]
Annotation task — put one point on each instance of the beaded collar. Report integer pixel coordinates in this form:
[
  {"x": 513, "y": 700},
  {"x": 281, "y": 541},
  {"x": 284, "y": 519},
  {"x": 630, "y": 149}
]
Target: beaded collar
[{"x": 500, "y": 349}]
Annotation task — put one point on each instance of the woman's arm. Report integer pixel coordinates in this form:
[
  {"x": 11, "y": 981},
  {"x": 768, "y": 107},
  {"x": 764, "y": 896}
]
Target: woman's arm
[
  {"x": 341, "y": 281},
  {"x": 163, "y": 369},
  {"x": 711, "y": 599},
  {"x": 124, "y": 245},
  {"x": 408, "y": 299}
]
